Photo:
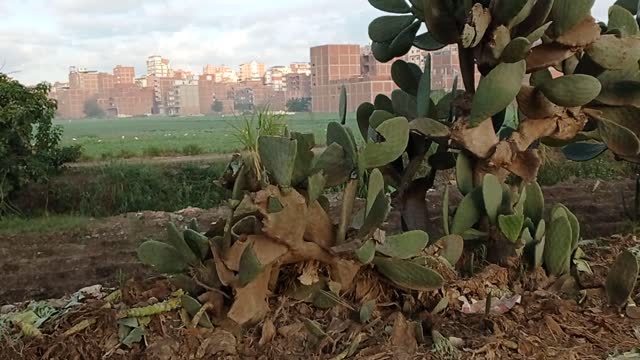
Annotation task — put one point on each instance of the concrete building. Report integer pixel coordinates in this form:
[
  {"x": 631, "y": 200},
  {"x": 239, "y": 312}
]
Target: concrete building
[
  {"x": 71, "y": 102},
  {"x": 445, "y": 65},
  {"x": 275, "y": 77},
  {"x": 141, "y": 82},
  {"x": 80, "y": 78},
  {"x": 252, "y": 71},
  {"x": 222, "y": 74},
  {"x": 158, "y": 66},
  {"x": 124, "y": 74},
  {"x": 183, "y": 99},
  {"x": 300, "y": 68}
]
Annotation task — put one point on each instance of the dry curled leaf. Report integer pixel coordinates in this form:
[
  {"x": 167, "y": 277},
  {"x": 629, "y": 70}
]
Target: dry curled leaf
[
  {"x": 250, "y": 303},
  {"x": 268, "y": 332}
]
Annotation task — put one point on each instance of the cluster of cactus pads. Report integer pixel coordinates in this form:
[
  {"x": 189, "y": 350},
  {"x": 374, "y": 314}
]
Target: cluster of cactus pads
[{"x": 280, "y": 217}]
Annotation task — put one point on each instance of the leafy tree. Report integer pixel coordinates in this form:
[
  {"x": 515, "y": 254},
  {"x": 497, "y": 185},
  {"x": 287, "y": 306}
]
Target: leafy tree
[
  {"x": 92, "y": 109},
  {"x": 217, "y": 106},
  {"x": 299, "y": 104},
  {"x": 29, "y": 143}
]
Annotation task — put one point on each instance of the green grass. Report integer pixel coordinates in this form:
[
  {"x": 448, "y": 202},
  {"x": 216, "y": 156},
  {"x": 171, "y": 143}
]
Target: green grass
[
  {"x": 103, "y": 139},
  {"x": 10, "y": 226},
  {"x": 602, "y": 168}
]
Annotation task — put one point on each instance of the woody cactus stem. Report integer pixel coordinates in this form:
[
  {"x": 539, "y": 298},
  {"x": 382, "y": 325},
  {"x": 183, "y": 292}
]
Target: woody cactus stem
[{"x": 348, "y": 199}]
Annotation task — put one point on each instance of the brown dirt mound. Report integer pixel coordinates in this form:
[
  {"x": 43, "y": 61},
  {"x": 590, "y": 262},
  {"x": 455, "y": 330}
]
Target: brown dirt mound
[{"x": 544, "y": 326}]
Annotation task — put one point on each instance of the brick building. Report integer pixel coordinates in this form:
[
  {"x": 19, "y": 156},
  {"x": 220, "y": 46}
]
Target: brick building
[
  {"x": 209, "y": 91},
  {"x": 298, "y": 86},
  {"x": 106, "y": 82},
  {"x": 124, "y": 74},
  {"x": 183, "y": 99},
  {"x": 127, "y": 100},
  {"x": 335, "y": 65}
]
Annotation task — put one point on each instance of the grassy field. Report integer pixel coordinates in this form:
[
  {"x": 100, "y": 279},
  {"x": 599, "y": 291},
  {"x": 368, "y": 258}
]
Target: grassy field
[{"x": 169, "y": 136}]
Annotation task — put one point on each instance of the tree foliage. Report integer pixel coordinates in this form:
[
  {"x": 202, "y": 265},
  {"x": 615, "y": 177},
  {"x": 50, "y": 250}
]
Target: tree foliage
[
  {"x": 92, "y": 109},
  {"x": 29, "y": 142},
  {"x": 299, "y": 104},
  {"x": 217, "y": 106}
]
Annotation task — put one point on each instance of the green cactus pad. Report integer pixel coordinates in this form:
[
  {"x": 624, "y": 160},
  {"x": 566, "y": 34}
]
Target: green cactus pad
[
  {"x": 198, "y": 243},
  {"x": 383, "y": 102},
  {"x": 304, "y": 157},
  {"x": 511, "y": 226},
  {"x": 364, "y": 112},
  {"x": 341, "y": 135},
  {"x": 501, "y": 38},
  {"x": 334, "y": 165},
  {"x": 468, "y": 213},
  {"x": 464, "y": 174},
  {"x": 566, "y": 14},
  {"x": 250, "y": 266},
  {"x": 376, "y": 186},
  {"x": 626, "y": 116},
  {"x": 424, "y": 90},
  {"x": 408, "y": 275},
  {"x": 537, "y": 18},
  {"x": 386, "y": 28},
  {"x": 427, "y": 42},
  {"x": 541, "y": 230},
  {"x": 492, "y": 196},
  {"x": 376, "y": 216},
  {"x": 622, "y": 20},
  {"x": 619, "y": 139},
  {"x": 537, "y": 33},
  {"x": 572, "y": 90},
  {"x": 558, "y": 246},
  {"x": 445, "y": 211},
  {"x": 278, "y": 155},
  {"x": 496, "y": 91},
  {"x": 176, "y": 239},
  {"x": 342, "y": 110},
  {"x": 378, "y": 117},
  {"x": 622, "y": 278},
  {"x": 452, "y": 248},
  {"x": 575, "y": 226},
  {"x": 506, "y": 208},
  {"x": 391, "y": 6},
  {"x": 614, "y": 53},
  {"x": 539, "y": 252},
  {"x": 404, "y": 246},
  {"x": 381, "y": 51},
  {"x": 406, "y": 76},
  {"x": 315, "y": 186},
  {"x": 274, "y": 205},
  {"x": 516, "y": 50},
  {"x": 193, "y": 225},
  {"x": 246, "y": 226},
  {"x": 193, "y": 306},
  {"x": 404, "y": 41},
  {"x": 184, "y": 282},
  {"x": 534, "y": 202},
  {"x": 164, "y": 258},
  {"x": 404, "y": 104},
  {"x": 630, "y": 5},
  {"x": 430, "y": 128},
  {"x": 366, "y": 252},
  {"x": 583, "y": 151},
  {"x": 473, "y": 234},
  {"x": 620, "y": 93},
  {"x": 396, "y": 134},
  {"x": 504, "y": 11},
  {"x": 440, "y": 21}
]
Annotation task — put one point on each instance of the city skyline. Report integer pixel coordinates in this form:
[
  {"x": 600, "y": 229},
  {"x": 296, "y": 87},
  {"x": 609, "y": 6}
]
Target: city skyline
[{"x": 40, "y": 39}]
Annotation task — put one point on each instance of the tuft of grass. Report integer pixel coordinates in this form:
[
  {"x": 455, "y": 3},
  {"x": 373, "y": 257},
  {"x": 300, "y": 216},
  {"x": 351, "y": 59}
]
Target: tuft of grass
[
  {"x": 193, "y": 149},
  {"x": 260, "y": 123},
  {"x": 555, "y": 170},
  {"x": 14, "y": 225}
]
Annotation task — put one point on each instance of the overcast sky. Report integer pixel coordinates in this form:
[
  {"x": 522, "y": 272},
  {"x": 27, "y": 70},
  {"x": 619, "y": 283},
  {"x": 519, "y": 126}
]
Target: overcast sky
[{"x": 40, "y": 39}]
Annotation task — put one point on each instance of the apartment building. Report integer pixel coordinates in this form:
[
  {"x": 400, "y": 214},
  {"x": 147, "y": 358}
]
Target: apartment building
[
  {"x": 252, "y": 71},
  {"x": 127, "y": 100},
  {"x": 124, "y": 74},
  {"x": 183, "y": 98},
  {"x": 300, "y": 68},
  {"x": 222, "y": 74},
  {"x": 106, "y": 82},
  {"x": 210, "y": 90},
  {"x": 298, "y": 86},
  {"x": 158, "y": 66}
]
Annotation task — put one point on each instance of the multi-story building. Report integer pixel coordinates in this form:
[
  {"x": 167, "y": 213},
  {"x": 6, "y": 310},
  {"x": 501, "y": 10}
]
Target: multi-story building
[
  {"x": 124, "y": 74},
  {"x": 127, "y": 100},
  {"x": 298, "y": 86},
  {"x": 106, "y": 82},
  {"x": 222, "y": 74},
  {"x": 71, "y": 102},
  {"x": 300, "y": 68},
  {"x": 252, "y": 71},
  {"x": 158, "y": 66},
  {"x": 210, "y": 91},
  {"x": 141, "y": 82},
  {"x": 275, "y": 77},
  {"x": 445, "y": 66},
  {"x": 183, "y": 99},
  {"x": 80, "y": 78},
  {"x": 333, "y": 66}
]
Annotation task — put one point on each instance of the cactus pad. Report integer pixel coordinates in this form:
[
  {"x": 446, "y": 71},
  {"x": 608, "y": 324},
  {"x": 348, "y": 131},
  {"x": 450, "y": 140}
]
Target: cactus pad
[
  {"x": 492, "y": 196},
  {"x": 396, "y": 134},
  {"x": 404, "y": 246},
  {"x": 278, "y": 155},
  {"x": 468, "y": 213},
  {"x": 452, "y": 247},
  {"x": 622, "y": 278},
  {"x": 571, "y": 90},
  {"x": 511, "y": 226},
  {"x": 496, "y": 91},
  {"x": 162, "y": 257},
  {"x": 407, "y": 274},
  {"x": 558, "y": 246}
]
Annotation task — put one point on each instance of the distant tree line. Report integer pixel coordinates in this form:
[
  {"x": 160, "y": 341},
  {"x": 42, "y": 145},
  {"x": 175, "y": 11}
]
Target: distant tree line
[{"x": 299, "y": 104}]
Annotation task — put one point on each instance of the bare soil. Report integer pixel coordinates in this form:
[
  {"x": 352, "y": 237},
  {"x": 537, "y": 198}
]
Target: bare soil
[{"x": 37, "y": 266}]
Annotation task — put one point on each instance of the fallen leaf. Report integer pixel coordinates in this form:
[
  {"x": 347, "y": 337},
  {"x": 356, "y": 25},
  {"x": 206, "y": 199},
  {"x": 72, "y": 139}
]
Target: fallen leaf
[
  {"x": 310, "y": 273},
  {"x": 268, "y": 332},
  {"x": 320, "y": 229},
  {"x": 403, "y": 338},
  {"x": 232, "y": 256},
  {"x": 250, "y": 303},
  {"x": 553, "y": 326}
]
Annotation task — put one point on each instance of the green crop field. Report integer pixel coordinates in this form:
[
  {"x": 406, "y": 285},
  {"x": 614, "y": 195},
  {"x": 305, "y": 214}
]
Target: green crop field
[{"x": 170, "y": 136}]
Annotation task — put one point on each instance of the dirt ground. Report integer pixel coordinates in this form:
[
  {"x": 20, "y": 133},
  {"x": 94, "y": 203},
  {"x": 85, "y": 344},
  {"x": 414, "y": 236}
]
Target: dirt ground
[{"x": 53, "y": 264}]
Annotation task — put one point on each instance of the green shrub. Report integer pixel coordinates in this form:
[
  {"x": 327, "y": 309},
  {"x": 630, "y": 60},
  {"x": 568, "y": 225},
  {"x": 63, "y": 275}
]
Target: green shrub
[{"x": 193, "y": 149}]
